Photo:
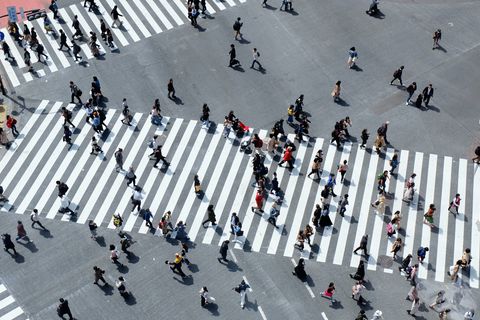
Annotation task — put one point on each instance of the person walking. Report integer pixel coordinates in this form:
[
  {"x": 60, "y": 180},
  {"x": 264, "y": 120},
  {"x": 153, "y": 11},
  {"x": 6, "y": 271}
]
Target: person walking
[
  {"x": 171, "y": 90},
  {"x": 397, "y": 75},
  {"x": 127, "y": 116},
  {"x": 256, "y": 56},
  {"x": 115, "y": 255},
  {"x": 331, "y": 182},
  {"x": 205, "y": 116},
  {"x": 98, "y": 273},
  {"x": 131, "y": 177},
  {"x": 414, "y": 308},
  {"x": 242, "y": 290},
  {"x": 315, "y": 167},
  {"x": 363, "y": 246},
  {"x": 427, "y": 94},
  {"x": 6, "y": 51},
  {"x": 63, "y": 41},
  {"x": 76, "y": 25},
  {"x": 336, "y": 91},
  {"x": 117, "y": 222},
  {"x": 359, "y": 275},
  {"x": 75, "y": 92},
  {"x": 205, "y": 298},
  {"x": 159, "y": 157},
  {"x": 342, "y": 168},
  {"x": 357, "y": 291},
  {"x": 136, "y": 199},
  {"x": 329, "y": 292},
  {"x": 258, "y": 201},
  {"x": 223, "y": 251},
  {"x": 115, "y": 17},
  {"x": 64, "y": 309},
  {"x": 439, "y": 299},
  {"x": 454, "y": 204},
  {"x": 405, "y": 263},
  {"x": 234, "y": 221},
  {"x": 21, "y": 232},
  {"x": 176, "y": 265},
  {"x": 342, "y": 205},
  {"x": 8, "y": 243},
  {"x": 382, "y": 131},
  {"x": 35, "y": 220},
  {"x": 40, "y": 52},
  {"x": 394, "y": 163},
  {"x": 95, "y": 147},
  {"x": 410, "y": 90},
  {"x": 67, "y": 117},
  {"x": 210, "y": 216},
  {"x": 236, "y": 28},
  {"x": 396, "y": 246},
  {"x": 62, "y": 188},
  {"x": 11, "y": 124},
  {"x": 428, "y": 216},
  {"x": 76, "y": 50},
  {"x": 233, "y": 56},
  {"x": 92, "y": 226},
  {"x": 422, "y": 253},
  {"x": 287, "y": 157},
  {"x": 437, "y": 36},
  {"x": 119, "y": 160},
  {"x": 28, "y": 60},
  {"x": 379, "y": 203},
  {"x": 147, "y": 217},
  {"x": 352, "y": 57}
]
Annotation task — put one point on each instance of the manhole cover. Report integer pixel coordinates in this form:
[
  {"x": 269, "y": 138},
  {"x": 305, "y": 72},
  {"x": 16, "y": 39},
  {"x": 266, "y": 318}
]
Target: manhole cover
[{"x": 385, "y": 261}]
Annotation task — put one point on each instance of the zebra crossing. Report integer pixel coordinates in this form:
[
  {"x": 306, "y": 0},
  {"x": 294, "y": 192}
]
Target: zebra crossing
[
  {"x": 141, "y": 19},
  {"x": 9, "y": 309},
  {"x": 38, "y": 158}
]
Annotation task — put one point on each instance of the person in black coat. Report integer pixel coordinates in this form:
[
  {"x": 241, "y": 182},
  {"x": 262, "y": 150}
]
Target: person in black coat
[
  {"x": 223, "y": 251},
  {"x": 299, "y": 270},
  {"x": 8, "y": 244},
  {"x": 360, "y": 273},
  {"x": 63, "y": 309}
]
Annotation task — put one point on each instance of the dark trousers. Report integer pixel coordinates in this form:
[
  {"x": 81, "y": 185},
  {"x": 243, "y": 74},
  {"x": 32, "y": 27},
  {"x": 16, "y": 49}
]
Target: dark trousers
[
  {"x": 160, "y": 159},
  {"x": 256, "y": 61},
  {"x": 136, "y": 204},
  {"x": 362, "y": 248},
  {"x": 75, "y": 96},
  {"x": 77, "y": 56},
  {"x": 289, "y": 163},
  {"x": 66, "y": 120},
  {"x": 178, "y": 269},
  {"x": 40, "y": 54},
  {"x": 78, "y": 33},
  {"x": 14, "y": 130},
  {"x": 426, "y": 100},
  {"x": 8, "y": 250},
  {"x": 212, "y": 221},
  {"x": 397, "y": 78},
  {"x": 148, "y": 223},
  {"x": 130, "y": 180},
  {"x": 63, "y": 44},
  {"x": 39, "y": 224},
  {"x": 317, "y": 172}
]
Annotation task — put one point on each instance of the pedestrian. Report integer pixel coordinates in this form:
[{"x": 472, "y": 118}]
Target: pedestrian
[
  {"x": 331, "y": 182},
  {"x": 359, "y": 275},
  {"x": 95, "y": 147},
  {"x": 237, "y": 232},
  {"x": 62, "y": 188},
  {"x": 11, "y": 124},
  {"x": 205, "y": 116},
  {"x": 287, "y": 157},
  {"x": 315, "y": 167},
  {"x": 98, "y": 273},
  {"x": 454, "y": 204},
  {"x": 300, "y": 242},
  {"x": 205, "y": 297},
  {"x": 409, "y": 190},
  {"x": 6, "y": 51},
  {"x": 336, "y": 91},
  {"x": 363, "y": 246},
  {"x": 394, "y": 162},
  {"x": 3, "y": 198},
  {"x": 439, "y": 299},
  {"x": 357, "y": 291},
  {"x": 155, "y": 113},
  {"x": 54, "y": 8},
  {"x": 63, "y": 308},
  {"x": 428, "y": 216},
  {"x": 109, "y": 36},
  {"x": 119, "y": 160},
  {"x": 299, "y": 270},
  {"x": 210, "y": 216},
  {"x": 21, "y": 232},
  {"x": 136, "y": 199},
  {"x": 352, "y": 57},
  {"x": 35, "y": 220},
  {"x": 410, "y": 90},
  {"x": 8, "y": 243},
  {"x": 397, "y": 75},
  {"x": 256, "y": 56},
  {"x": 342, "y": 205},
  {"x": 92, "y": 226},
  {"x": 223, "y": 251},
  {"x": 117, "y": 221},
  {"x": 236, "y": 28},
  {"x": 127, "y": 116},
  {"x": 115, "y": 255},
  {"x": 329, "y": 292},
  {"x": 418, "y": 101},
  {"x": 258, "y": 201},
  {"x": 76, "y": 50},
  {"x": 382, "y": 131},
  {"x": 176, "y": 265},
  {"x": 159, "y": 157},
  {"x": 234, "y": 220},
  {"x": 414, "y": 308},
  {"x": 147, "y": 217},
  {"x": 466, "y": 258},
  {"x": 427, "y": 94},
  {"x": 437, "y": 36},
  {"x": 204, "y": 6},
  {"x": 125, "y": 244},
  {"x": 275, "y": 212},
  {"x": 379, "y": 203},
  {"x": 28, "y": 60},
  {"x": 76, "y": 25},
  {"x": 325, "y": 220},
  {"x": 342, "y": 168},
  {"x": 40, "y": 52},
  {"x": 115, "y": 16},
  {"x": 75, "y": 93},
  {"x": 171, "y": 90},
  {"x": 67, "y": 117},
  {"x": 242, "y": 289},
  {"x": 422, "y": 253},
  {"x": 131, "y": 177},
  {"x": 361, "y": 315},
  {"x": 476, "y": 159},
  {"x": 122, "y": 289},
  {"x": 405, "y": 263},
  {"x": 308, "y": 232},
  {"x": 396, "y": 246},
  {"x": 63, "y": 40}
]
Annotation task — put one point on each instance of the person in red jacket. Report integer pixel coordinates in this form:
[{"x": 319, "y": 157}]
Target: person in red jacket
[
  {"x": 11, "y": 123},
  {"x": 287, "y": 157},
  {"x": 258, "y": 201}
]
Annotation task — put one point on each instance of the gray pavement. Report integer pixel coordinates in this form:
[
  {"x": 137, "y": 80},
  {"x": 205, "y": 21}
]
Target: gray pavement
[{"x": 302, "y": 52}]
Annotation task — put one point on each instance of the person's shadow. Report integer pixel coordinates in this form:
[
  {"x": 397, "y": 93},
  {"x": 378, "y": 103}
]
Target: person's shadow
[
  {"x": 177, "y": 100},
  {"x": 439, "y": 47}
]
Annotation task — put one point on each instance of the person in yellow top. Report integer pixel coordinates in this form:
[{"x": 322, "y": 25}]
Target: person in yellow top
[
  {"x": 291, "y": 113},
  {"x": 176, "y": 265}
]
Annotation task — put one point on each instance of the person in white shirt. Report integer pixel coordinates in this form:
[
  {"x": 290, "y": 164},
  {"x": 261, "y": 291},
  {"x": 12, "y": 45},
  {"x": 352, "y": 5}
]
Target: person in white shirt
[{"x": 256, "y": 55}]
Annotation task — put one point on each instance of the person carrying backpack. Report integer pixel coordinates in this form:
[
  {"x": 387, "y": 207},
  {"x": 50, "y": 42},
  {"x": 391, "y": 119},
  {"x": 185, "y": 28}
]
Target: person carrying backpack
[
  {"x": 76, "y": 93},
  {"x": 236, "y": 27}
]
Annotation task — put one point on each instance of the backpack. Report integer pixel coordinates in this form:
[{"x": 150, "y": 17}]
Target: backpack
[
  {"x": 237, "y": 25},
  {"x": 477, "y": 151},
  {"x": 125, "y": 111},
  {"x": 396, "y": 74}
]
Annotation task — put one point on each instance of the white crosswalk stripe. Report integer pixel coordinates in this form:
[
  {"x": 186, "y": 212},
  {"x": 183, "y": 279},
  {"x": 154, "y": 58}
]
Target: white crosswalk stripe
[
  {"x": 149, "y": 17},
  {"x": 97, "y": 191},
  {"x": 9, "y": 309}
]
